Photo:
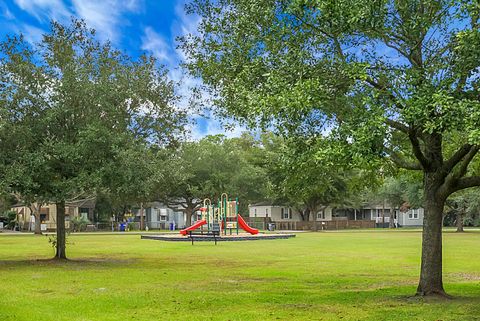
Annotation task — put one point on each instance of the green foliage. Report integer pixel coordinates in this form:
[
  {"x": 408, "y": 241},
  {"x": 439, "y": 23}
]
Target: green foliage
[
  {"x": 465, "y": 204},
  {"x": 376, "y": 77},
  {"x": 11, "y": 217},
  {"x": 75, "y": 110},
  {"x": 53, "y": 240},
  {"x": 78, "y": 117},
  {"x": 210, "y": 167},
  {"x": 302, "y": 178},
  {"x": 79, "y": 223},
  {"x": 400, "y": 190}
]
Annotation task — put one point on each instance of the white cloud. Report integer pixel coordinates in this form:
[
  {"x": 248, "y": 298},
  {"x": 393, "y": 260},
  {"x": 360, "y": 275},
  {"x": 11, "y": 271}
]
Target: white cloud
[
  {"x": 45, "y": 10},
  {"x": 105, "y": 16},
  {"x": 155, "y": 44},
  {"x": 5, "y": 12},
  {"x": 32, "y": 34},
  {"x": 214, "y": 127}
]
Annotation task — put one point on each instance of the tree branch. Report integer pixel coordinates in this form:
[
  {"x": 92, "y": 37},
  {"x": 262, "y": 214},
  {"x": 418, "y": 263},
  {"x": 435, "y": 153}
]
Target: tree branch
[
  {"x": 385, "y": 90},
  {"x": 397, "y": 125},
  {"x": 403, "y": 163},
  {"x": 468, "y": 159},
  {"x": 466, "y": 182},
  {"x": 417, "y": 151},
  {"x": 456, "y": 158}
]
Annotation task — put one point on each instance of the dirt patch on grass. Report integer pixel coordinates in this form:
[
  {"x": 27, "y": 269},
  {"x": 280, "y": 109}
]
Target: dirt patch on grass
[
  {"x": 465, "y": 276},
  {"x": 298, "y": 306}
]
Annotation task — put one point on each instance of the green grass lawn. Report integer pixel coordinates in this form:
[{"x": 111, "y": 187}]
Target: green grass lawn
[{"x": 359, "y": 275}]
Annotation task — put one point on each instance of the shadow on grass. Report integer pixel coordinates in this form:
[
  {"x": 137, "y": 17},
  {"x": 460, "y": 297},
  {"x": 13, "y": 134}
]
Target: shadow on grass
[{"x": 54, "y": 262}]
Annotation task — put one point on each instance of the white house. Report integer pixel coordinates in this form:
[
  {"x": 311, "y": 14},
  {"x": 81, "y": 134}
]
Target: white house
[
  {"x": 378, "y": 213},
  {"x": 283, "y": 213},
  {"x": 159, "y": 216},
  {"x": 413, "y": 217}
]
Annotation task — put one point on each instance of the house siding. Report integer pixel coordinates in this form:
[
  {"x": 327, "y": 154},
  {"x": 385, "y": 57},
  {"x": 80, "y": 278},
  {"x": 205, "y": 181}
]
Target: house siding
[
  {"x": 370, "y": 212},
  {"x": 159, "y": 216},
  {"x": 50, "y": 212},
  {"x": 404, "y": 219}
]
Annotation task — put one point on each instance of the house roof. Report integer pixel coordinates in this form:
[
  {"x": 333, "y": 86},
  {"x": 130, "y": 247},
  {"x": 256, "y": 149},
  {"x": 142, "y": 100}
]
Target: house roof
[
  {"x": 268, "y": 203},
  {"x": 79, "y": 203}
]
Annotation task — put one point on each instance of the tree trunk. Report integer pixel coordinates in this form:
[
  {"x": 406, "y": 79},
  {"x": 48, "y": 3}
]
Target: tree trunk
[
  {"x": 61, "y": 235},
  {"x": 391, "y": 224},
  {"x": 460, "y": 222},
  {"x": 431, "y": 282},
  {"x": 142, "y": 222},
  {"x": 38, "y": 230},
  {"x": 189, "y": 213},
  {"x": 35, "y": 208},
  {"x": 305, "y": 214}
]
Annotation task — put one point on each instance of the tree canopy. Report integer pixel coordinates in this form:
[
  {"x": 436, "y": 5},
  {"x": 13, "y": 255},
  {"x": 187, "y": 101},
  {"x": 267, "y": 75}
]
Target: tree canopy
[
  {"x": 74, "y": 112},
  {"x": 384, "y": 80},
  {"x": 210, "y": 167}
]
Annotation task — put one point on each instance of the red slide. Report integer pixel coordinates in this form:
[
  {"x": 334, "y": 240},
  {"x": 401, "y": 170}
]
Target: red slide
[
  {"x": 193, "y": 227},
  {"x": 245, "y": 226}
]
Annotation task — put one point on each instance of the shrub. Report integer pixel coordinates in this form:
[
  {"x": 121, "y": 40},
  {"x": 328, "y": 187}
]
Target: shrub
[{"x": 79, "y": 224}]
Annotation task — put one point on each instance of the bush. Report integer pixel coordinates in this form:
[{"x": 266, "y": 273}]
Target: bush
[
  {"x": 79, "y": 224},
  {"x": 9, "y": 218},
  {"x": 131, "y": 226}
]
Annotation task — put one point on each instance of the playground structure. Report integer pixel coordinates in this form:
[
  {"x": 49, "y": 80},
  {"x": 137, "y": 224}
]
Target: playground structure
[{"x": 220, "y": 219}]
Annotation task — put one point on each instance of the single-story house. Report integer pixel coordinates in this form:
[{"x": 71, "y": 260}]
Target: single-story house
[
  {"x": 369, "y": 212},
  {"x": 48, "y": 214},
  {"x": 412, "y": 217},
  {"x": 276, "y": 213},
  {"x": 158, "y": 216}
]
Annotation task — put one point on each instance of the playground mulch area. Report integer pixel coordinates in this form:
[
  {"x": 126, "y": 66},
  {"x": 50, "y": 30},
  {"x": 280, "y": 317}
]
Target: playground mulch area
[
  {"x": 221, "y": 238},
  {"x": 341, "y": 275}
]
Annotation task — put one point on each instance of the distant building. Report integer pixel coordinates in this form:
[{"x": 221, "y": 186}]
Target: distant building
[
  {"x": 48, "y": 214},
  {"x": 380, "y": 214},
  {"x": 273, "y": 212},
  {"x": 158, "y": 216}
]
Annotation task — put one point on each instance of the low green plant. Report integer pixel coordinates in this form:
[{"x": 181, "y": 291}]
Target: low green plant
[
  {"x": 11, "y": 217},
  {"x": 131, "y": 226},
  {"x": 79, "y": 224},
  {"x": 52, "y": 240}
]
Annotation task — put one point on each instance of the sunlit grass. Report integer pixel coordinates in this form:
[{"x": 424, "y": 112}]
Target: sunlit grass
[{"x": 359, "y": 275}]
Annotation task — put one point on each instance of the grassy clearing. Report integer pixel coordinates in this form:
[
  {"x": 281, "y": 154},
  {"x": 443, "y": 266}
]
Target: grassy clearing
[{"x": 367, "y": 275}]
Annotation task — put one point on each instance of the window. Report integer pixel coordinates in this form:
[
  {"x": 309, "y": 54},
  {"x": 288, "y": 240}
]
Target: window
[
  {"x": 413, "y": 214},
  {"x": 84, "y": 213},
  {"x": 163, "y": 214},
  {"x": 266, "y": 212},
  {"x": 286, "y": 213},
  {"x": 321, "y": 215},
  {"x": 255, "y": 212}
]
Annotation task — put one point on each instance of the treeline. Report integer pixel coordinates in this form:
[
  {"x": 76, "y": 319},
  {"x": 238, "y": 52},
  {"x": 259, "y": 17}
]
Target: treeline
[{"x": 80, "y": 119}]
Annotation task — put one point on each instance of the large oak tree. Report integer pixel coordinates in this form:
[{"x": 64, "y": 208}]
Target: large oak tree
[
  {"x": 73, "y": 111},
  {"x": 395, "y": 79}
]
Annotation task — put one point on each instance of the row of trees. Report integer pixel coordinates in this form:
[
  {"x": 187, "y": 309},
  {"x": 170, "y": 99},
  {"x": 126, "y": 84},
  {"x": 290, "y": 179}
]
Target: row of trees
[{"x": 354, "y": 86}]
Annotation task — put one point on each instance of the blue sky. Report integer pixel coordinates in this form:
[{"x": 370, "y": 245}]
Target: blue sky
[{"x": 134, "y": 26}]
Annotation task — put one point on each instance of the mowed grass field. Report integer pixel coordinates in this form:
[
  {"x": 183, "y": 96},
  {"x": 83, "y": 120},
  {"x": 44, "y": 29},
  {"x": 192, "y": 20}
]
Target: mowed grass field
[{"x": 357, "y": 275}]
